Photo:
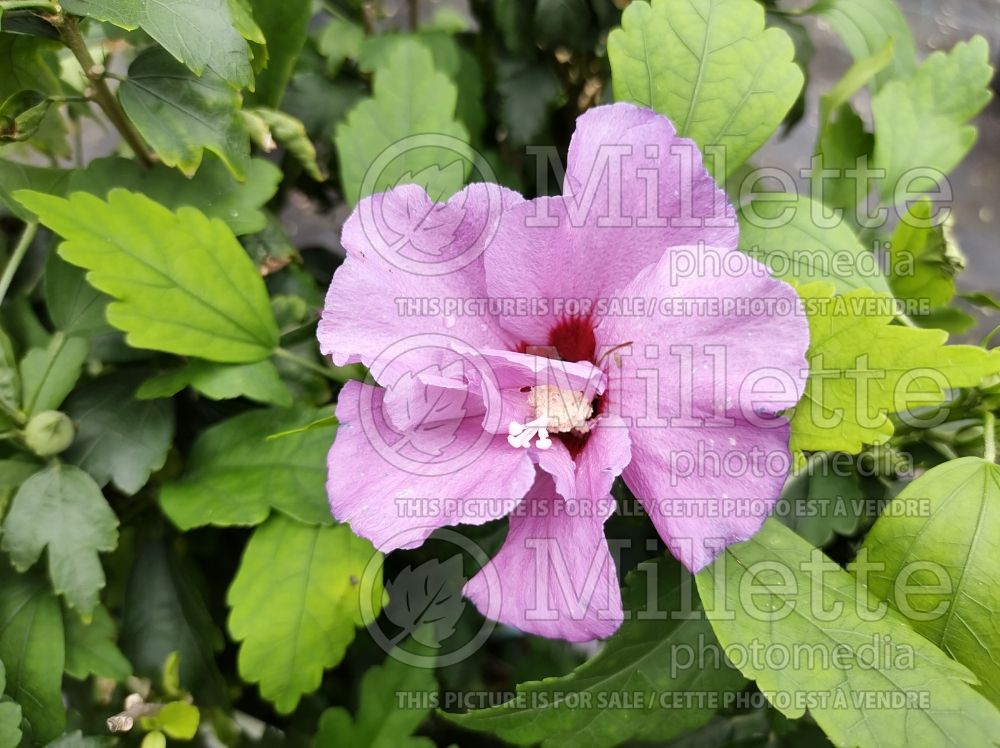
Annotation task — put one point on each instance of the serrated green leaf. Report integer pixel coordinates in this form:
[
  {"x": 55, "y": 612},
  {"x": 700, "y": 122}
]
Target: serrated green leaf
[
  {"x": 862, "y": 369},
  {"x": 235, "y": 476},
  {"x": 709, "y": 65},
  {"x": 290, "y": 633},
  {"x": 410, "y": 98},
  {"x": 48, "y": 374},
  {"x": 61, "y": 509},
  {"x": 802, "y": 249},
  {"x": 826, "y": 612},
  {"x": 374, "y": 53},
  {"x": 213, "y": 190},
  {"x": 119, "y": 439},
  {"x": 164, "y": 614},
  {"x": 865, "y": 26},
  {"x": 284, "y": 25},
  {"x": 948, "y": 556},
  {"x": 259, "y": 381},
  {"x": 183, "y": 283},
  {"x": 924, "y": 257},
  {"x": 921, "y": 122},
  {"x": 31, "y": 646},
  {"x": 181, "y": 114},
  {"x": 91, "y": 648},
  {"x": 380, "y": 722},
  {"x": 199, "y": 33},
  {"x": 639, "y": 658}
]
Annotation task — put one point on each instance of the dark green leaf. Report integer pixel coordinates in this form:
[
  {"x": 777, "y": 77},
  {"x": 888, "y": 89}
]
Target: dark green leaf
[
  {"x": 642, "y": 657},
  {"x": 75, "y": 306},
  {"x": 528, "y": 90},
  {"x": 164, "y": 613},
  {"x": 380, "y": 720},
  {"x": 61, "y": 509},
  {"x": 181, "y": 114},
  {"x": 284, "y": 26},
  {"x": 842, "y": 142},
  {"x": 29, "y": 65},
  {"x": 824, "y": 501},
  {"x": 15, "y": 176},
  {"x": 213, "y": 190},
  {"x": 235, "y": 475},
  {"x": 31, "y": 646},
  {"x": 91, "y": 648},
  {"x": 119, "y": 439},
  {"x": 199, "y": 33},
  {"x": 48, "y": 374},
  {"x": 259, "y": 381}
]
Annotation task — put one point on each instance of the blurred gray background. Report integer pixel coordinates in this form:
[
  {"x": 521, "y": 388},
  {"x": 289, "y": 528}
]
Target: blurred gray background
[{"x": 976, "y": 182}]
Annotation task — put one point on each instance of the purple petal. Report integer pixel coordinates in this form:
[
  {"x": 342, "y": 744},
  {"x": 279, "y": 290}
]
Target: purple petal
[
  {"x": 704, "y": 384},
  {"x": 632, "y": 190},
  {"x": 408, "y": 258},
  {"x": 554, "y": 575},
  {"x": 396, "y": 487},
  {"x": 590, "y": 475}
]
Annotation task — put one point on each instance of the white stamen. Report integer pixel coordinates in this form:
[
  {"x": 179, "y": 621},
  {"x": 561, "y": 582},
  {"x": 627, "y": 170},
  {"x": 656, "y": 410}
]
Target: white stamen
[
  {"x": 556, "y": 410},
  {"x": 520, "y": 435}
]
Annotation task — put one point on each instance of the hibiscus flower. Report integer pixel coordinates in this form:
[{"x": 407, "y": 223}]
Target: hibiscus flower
[{"x": 549, "y": 346}]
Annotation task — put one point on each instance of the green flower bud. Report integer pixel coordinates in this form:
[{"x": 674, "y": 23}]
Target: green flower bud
[{"x": 49, "y": 433}]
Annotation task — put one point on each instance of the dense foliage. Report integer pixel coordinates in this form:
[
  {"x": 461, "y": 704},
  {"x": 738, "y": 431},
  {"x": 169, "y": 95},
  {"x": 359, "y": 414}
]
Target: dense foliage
[{"x": 167, "y": 557}]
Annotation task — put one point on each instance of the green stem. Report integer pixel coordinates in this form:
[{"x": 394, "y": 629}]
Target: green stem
[
  {"x": 15, "y": 259},
  {"x": 13, "y": 415},
  {"x": 989, "y": 436},
  {"x": 69, "y": 30},
  {"x": 28, "y": 5},
  {"x": 305, "y": 363}
]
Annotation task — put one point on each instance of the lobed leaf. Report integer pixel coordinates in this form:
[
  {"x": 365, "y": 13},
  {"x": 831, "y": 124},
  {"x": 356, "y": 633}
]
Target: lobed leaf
[
  {"x": 181, "y": 281},
  {"x": 709, "y": 65},
  {"x": 295, "y": 604}
]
